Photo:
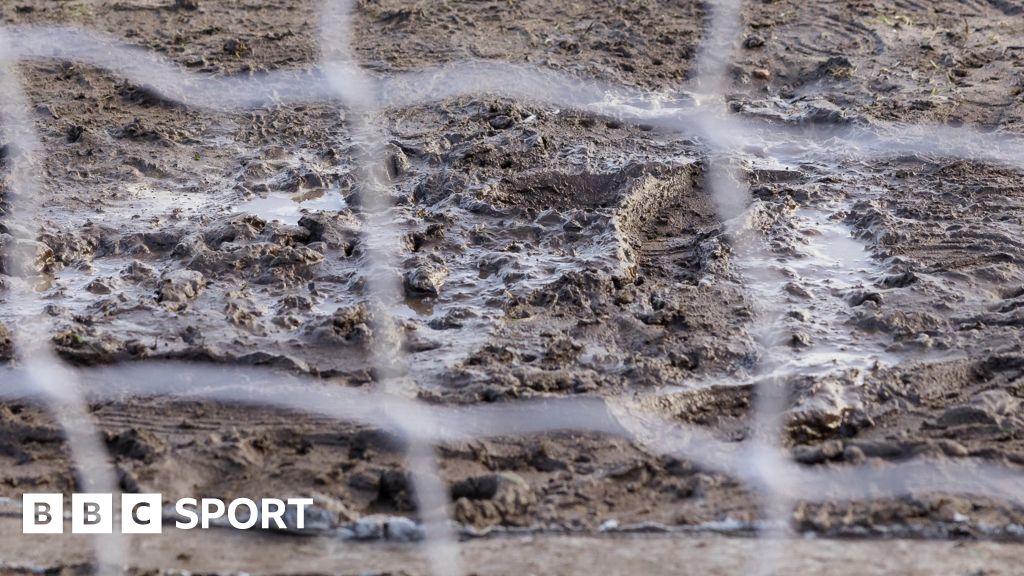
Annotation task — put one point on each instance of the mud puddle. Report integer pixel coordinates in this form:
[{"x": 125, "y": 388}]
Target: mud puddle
[
  {"x": 289, "y": 208},
  {"x": 545, "y": 251},
  {"x": 830, "y": 273}
]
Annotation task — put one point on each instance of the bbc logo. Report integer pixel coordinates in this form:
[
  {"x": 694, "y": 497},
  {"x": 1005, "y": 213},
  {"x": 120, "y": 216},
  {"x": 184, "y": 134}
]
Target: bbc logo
[
  {"x": 91, "y": 514},
  {"x": 143, "y": 513}
]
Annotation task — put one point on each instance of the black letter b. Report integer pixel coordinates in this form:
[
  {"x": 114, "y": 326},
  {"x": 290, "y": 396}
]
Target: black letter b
[
  {"x": 43, "y": 513},
  {"x": 91, "y": 511}
]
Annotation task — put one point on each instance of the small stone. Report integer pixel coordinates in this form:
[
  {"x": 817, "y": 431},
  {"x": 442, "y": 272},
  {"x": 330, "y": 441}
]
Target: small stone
[
  {"x": 454, "y": 318},
  {"x": 369, "y": 528},
  {"x": 501, "y": 122},
  {"x": 180, "y": 286},
  {"x": 483, "y": 501},
  {"x": 753, "y": 41},
  {"x": 837, "y": 67},
  {"x": 799, "y": 315},
  {"x": 584, "y": 387},
  {"x": 348, "y": 325},
  {"x": 853, "y": 455},
  {"x": 831, "y": 449},
  {"x": 314, "y": 519},
  {"x": 398, "y": 163},
  {"x": 236, "y": 47},
  {"x": 808, "y": 455},
  {"x": 761, "y": 73},
  {"x": 425, "y": 279},
  {"x": 99, "y": 286},
  {"x": 24, "y": 257},
  {"x": 394, "y": 528},
  {"x": 6, "y": 343},
  {"x": 899, "y": 280},
  {"x": 74, "y": 133},
  {"x": 401, "y": 529},
  {"x": 800, "y": 340},
  {"x": 797, "y": 290},
  {"x": 952, "y": 448},
  {"x": 135, "y": 445},
  {"x": 138, "y": 271},
  {"x": 861, "y": 296}
]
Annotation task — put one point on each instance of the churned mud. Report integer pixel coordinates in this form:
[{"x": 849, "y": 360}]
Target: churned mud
[{"x": 544, "y": 252}]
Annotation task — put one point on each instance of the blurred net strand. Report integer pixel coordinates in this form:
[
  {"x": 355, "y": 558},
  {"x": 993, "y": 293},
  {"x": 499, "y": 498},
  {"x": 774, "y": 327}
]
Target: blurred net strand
[
  {"x": 612, "y": 416},
  {"x": 57, "y": 385},
  {"x": 753, "y": 260},
  {"x": 466, "y": 78},
  {"x": 731, "y": 198},
  {"x": 340, "y": 79},
  {"x": 383, "y": 238}
]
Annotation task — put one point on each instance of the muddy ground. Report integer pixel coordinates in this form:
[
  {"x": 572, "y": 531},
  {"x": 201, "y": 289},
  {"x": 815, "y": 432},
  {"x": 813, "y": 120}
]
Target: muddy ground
[{"x": 546, "y": 252}]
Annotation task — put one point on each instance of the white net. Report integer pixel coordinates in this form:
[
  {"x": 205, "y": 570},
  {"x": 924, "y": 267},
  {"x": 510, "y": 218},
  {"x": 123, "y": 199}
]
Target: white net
[{"x": 760, "y": 462}]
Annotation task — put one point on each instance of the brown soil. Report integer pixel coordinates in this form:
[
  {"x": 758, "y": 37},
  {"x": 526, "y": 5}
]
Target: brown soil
[{"x": 546, "y": 252}]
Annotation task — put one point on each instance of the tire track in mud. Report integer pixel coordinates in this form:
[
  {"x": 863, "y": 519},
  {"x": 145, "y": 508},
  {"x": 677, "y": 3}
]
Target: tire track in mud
[
  {"x": 666, "y": 220},
  {"x": 837, "y": 36},
  {"x": 647, "y": 206},
  {"x": 646, "y": 251}
]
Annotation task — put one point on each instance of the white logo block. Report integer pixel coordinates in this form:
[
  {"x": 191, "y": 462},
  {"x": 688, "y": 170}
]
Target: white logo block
[
  {"x": 42, "y": 513},
  {"x": 141, "y": 514},
  {"x": 92, "y": 513}
]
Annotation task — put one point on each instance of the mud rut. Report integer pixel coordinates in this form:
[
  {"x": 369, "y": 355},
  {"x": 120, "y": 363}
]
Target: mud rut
[{"x": 661, "y": 236}]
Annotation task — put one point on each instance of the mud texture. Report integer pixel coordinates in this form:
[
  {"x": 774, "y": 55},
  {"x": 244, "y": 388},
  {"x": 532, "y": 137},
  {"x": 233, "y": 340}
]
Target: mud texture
[{"x": 544, "y": 252}]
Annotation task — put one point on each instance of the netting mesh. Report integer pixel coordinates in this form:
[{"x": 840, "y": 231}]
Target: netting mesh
[{"x": 760, "y": 462}]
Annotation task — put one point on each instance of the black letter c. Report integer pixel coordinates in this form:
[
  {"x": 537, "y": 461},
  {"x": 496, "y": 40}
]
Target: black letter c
[{"x": 135, "y": 514}]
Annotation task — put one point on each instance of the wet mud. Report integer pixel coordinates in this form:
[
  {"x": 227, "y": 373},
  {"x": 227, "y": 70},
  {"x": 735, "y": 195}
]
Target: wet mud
[{"x": 544, "y": 252}]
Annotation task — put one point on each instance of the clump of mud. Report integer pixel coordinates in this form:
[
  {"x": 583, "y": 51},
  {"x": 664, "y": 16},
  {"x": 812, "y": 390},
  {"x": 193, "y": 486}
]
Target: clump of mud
[{"x": 544, "y": 252}]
